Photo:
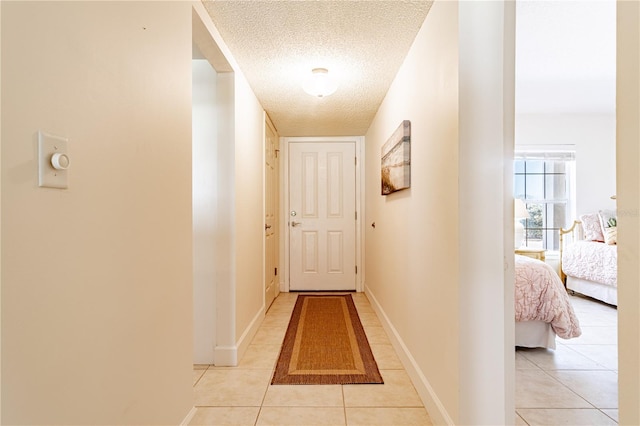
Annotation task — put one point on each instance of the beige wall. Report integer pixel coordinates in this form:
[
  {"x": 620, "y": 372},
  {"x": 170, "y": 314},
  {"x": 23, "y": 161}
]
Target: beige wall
[
  {"x": 249, "y": 184},
  {"x": 438, "y": 259},
  {"x": 96, "y": 279},
  {"x": 411, "y": 255},
  {"x": 628, "y": 188},
  {"x": 0, "y": 218}
]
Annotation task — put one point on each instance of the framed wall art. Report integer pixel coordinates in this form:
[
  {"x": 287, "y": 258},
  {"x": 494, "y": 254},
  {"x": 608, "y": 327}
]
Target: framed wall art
[{"x": 396, "y": 160}]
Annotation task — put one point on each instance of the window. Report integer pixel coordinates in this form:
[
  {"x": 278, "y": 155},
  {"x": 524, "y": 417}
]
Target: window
[{"x": 544, "y": 181}]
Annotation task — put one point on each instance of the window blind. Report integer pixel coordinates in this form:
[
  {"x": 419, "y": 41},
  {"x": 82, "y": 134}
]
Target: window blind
[{"x": 546, "y": 156}]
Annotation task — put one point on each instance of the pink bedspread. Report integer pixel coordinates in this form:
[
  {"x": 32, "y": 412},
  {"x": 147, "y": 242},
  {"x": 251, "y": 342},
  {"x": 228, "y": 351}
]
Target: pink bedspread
[{"x": 540, "y": 295}]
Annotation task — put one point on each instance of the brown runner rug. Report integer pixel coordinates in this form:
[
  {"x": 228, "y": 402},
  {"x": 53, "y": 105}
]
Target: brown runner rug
[{"x": 325, "y": 344}]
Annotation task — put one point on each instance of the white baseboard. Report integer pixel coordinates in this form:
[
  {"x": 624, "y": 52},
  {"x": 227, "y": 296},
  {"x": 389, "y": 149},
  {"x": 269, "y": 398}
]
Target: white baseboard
[
  {"x": 432, "y": 403},
  {"x": 250, "y": 332},
  {"x": 225, "y": 356},
  {"x": 189, "y": 416},
  {"x": 229, "y": 356}
]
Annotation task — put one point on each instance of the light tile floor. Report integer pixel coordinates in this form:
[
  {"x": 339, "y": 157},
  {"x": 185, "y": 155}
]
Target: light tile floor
[
  {"x": 243, "y": 395},
  {"x": 576, "y": 384}
]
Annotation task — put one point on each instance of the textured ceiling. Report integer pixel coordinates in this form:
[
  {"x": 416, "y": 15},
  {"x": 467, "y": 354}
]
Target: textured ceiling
[{"x": 277, "y": 43}]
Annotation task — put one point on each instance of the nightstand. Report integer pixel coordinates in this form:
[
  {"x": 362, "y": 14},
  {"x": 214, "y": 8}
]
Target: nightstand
[{"x": 531, "y": 252}]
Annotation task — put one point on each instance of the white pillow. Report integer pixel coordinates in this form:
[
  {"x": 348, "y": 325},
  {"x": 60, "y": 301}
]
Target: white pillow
[
  {"x": 609, "y": 222},
  {"x": 592, "y": 227}
]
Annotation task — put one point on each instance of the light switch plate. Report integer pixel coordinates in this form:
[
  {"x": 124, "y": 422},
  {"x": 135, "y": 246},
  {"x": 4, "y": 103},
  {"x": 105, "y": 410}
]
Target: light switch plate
[{"x": 48, "y": 176}]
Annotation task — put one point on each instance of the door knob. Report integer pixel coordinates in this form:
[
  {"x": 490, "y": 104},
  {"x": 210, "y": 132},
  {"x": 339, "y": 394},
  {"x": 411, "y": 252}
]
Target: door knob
[{"x": 296, "y": 223}]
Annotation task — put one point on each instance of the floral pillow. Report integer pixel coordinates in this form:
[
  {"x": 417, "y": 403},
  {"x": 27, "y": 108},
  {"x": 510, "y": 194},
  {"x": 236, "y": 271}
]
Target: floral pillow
[
  {"x": 609, "y": 221},
  {"x": 592, "y": 227}
]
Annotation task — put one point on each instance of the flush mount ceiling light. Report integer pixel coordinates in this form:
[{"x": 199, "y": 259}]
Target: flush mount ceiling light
[{"x": 320, "y": 83}]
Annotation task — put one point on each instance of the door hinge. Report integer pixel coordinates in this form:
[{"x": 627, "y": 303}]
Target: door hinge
[
  {"x": 355, "y": 161},
  {"x": 356, "y": 269},
  {"x": 356, "y": 215},
  {"x": 275, "y": 272}
]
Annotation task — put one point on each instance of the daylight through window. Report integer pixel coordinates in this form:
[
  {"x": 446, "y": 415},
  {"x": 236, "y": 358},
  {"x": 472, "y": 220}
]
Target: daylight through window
[{"x": 544, "y": 180}]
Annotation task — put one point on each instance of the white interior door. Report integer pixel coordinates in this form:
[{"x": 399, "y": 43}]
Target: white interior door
[
  {"x": 270, "y": 215},
  {"x": 322, "y": 216}
]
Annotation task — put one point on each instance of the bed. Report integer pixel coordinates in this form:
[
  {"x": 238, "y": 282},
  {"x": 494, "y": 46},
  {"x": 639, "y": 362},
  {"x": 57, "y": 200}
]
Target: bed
[
  {"x": 542, "y": 306},
  {"x": 589, "y": 257}
]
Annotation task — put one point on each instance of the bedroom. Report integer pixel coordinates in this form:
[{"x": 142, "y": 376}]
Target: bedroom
[{"x": 566, "y": 138}]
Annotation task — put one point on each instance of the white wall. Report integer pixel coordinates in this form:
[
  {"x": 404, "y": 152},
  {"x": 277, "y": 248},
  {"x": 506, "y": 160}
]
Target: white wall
[
  {"x": 96, "y": 284},
  {"x": 412, "y": 254},
  {"x": 240, "y": 229},
  {"x": 593, "y": 136},
  {"x": 225, "y": 304},
  {"x": 486, "y": 271},
  {"x": 205, "y": 220},
  {"x": 565, "y": 86}
]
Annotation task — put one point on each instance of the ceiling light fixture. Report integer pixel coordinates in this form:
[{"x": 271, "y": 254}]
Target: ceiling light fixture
[{"x": 320, "y": 83}]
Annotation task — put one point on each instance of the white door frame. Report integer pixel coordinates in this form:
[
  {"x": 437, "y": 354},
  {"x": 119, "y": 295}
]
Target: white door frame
[
  {"x": 269, "y": 125},
  {"x": 284, "y": 213}
]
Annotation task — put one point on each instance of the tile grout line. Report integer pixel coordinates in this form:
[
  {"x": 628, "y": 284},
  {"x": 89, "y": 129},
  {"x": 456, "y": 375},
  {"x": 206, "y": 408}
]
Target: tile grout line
[
  {"x": 344, "y": 406},
  {"x": 522, "y": 418},
  {"x": 600, "y": 409},
  {"x": 575, "y": 349},
  {"x": 272, "y": 369},
  {"x": 569, "y": 389}
]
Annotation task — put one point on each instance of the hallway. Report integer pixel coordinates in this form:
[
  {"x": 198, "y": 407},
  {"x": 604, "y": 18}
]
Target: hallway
[{"x": 242, "y": 395}]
